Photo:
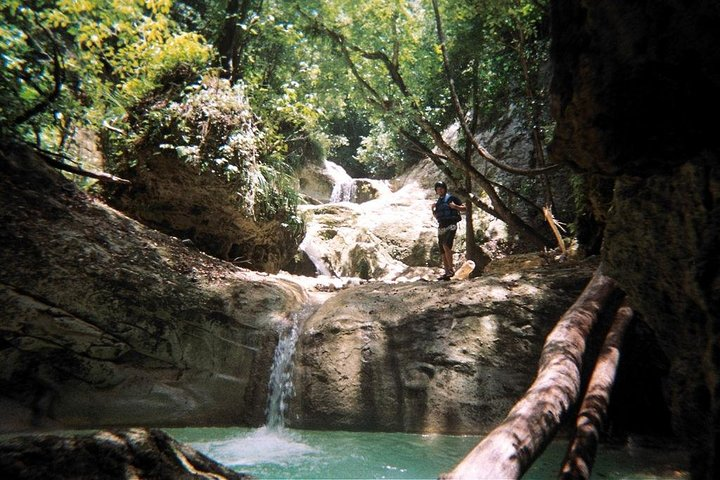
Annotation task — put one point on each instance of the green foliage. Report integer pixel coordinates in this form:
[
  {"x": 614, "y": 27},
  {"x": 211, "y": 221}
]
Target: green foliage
[
  {"x": 211, "y": 126},
  {"x": 496, "y": 49},
  {"x": 296, "y": 100},
  {"x": 379, "y": 152},
  {"x": 112, "y": 54}
]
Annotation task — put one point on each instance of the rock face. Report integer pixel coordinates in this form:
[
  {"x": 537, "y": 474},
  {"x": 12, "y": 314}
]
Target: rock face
[
  {"x": 377, "y": 239},
  {"x": 428, "y": 357},
  {"x": 634, "y": 86},
  {"x": 175, "y": 198},
  {"x": 136, "y": 453},
  {"x": 387, "y": 232},
  {"x": 315, "y": 184},
  {"x": 106, "y": 322}
]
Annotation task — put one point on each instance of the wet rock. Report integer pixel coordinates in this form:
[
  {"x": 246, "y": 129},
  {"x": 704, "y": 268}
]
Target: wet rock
[
  {"x": 632, "y": 94},
  {"x": 106, "y": 322},
  {"x": 111, "y": 454}
]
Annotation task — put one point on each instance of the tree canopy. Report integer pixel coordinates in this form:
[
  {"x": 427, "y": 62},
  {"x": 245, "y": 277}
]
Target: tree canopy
[{"x": 375, "y": 81}]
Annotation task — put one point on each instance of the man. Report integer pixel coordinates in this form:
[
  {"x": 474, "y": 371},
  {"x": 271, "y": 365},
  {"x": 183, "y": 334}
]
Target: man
[{"x": 446, "y": 210}]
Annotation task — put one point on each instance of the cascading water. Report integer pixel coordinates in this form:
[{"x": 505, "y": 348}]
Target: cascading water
[
  {"x": 310, "y": 247},
  {"x": 280, "y": 385},
  {"x": 272, "y": 443},
  {"x": 343, "y": 184}
]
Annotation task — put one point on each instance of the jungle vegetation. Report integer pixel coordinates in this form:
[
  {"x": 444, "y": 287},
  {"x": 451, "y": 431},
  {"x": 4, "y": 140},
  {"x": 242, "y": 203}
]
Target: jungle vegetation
[{"x": 281, "y": 83}]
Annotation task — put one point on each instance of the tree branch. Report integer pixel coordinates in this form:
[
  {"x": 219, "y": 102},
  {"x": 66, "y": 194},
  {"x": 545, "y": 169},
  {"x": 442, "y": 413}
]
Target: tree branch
[
  {"x": 502, "y": 211},
  {"x": 437, "y": 160},
  {"x": 50, "y": 159},
  {"x": 506, "y": 215},
  {"x": 58, "y": 77}
]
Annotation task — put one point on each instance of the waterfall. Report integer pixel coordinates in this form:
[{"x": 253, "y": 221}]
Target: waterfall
[
  {"x": 343, "y": 184},
  {"x": 310, "y": 247},
  {"x": 280, "y": 385}
]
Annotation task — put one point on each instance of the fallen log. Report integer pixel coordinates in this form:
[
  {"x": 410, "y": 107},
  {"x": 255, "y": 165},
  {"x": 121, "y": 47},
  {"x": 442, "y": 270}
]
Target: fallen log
[
  {"x": 509, "y": 450},
  {"x": 581, "y": 452}
]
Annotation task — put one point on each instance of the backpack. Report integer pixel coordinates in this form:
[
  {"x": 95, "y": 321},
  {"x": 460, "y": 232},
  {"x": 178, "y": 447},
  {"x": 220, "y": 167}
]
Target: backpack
[{"x": 444, "y": 214}]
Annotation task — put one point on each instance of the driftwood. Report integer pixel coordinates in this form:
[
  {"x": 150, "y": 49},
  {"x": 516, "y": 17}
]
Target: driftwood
[
  {"x": 509, "y": 450},
  {"x": 581, "y": 453}
]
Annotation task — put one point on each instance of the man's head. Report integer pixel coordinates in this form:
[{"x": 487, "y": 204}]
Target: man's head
[{"x": 440, "y": 188}]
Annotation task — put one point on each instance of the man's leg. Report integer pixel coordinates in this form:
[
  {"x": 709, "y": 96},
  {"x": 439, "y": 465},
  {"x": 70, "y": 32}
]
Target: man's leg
[
  {"x": 447, "y": 251},
  {"x": 447, "y": 258}
]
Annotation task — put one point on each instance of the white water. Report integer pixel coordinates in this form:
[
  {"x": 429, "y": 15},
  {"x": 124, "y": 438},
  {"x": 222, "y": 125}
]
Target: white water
[
  {"x": 315, "y": 255},
  {"x": 261, "y": 446},
  {"x": 343, "y": 184},
  {"x": 280, "y": 385},
  {"x": 272, "y": 446}
]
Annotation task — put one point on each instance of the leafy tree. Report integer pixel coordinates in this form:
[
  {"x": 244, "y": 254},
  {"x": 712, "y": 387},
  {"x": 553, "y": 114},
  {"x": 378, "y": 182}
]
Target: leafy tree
[
  {"x": 406, "y": 68},
  {"x": 389, "y": 52},
  {"x": 102, "y": 57}
]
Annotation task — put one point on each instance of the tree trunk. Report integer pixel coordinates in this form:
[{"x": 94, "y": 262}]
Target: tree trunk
[
  {"x": 232, "y": 39},
  {"x": 509, "y": 450},
  {"x": 503, "y": 211},
  {"x": 581, "y": 454}
]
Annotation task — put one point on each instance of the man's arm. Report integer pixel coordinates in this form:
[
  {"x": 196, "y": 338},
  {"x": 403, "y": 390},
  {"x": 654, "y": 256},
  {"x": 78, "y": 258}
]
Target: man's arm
[{"x": 457, "y": 206}]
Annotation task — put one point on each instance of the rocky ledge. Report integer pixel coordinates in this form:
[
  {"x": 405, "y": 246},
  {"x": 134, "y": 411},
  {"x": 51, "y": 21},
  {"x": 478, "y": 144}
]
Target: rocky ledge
[
  {"x": 448, "y": 357},
  {"x": 110, "y": 454},
  {"x": 108, "y": 323}
]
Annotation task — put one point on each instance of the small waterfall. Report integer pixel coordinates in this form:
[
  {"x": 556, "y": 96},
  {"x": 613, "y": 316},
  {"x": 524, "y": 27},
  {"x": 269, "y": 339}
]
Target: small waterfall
[
  {"x": 343, "y": 184},
  {"x": 280, "y": 386},
  {"x": 315, "y": 255}
]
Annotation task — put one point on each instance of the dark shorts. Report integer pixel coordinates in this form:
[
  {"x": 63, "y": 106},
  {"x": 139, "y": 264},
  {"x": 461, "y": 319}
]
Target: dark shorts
[{"x": 446, "y": 235}]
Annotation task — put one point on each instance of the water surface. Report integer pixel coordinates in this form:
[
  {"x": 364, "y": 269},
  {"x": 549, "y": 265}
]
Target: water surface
[{"x": 286, "y": 453}]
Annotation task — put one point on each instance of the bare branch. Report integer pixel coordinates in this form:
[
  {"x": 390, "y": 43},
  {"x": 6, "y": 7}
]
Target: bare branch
[
  {"x": 113, "y": 128},
  {"x": 438, "y": 161},
  {"x": 51, "y": 159},
  {"x": 553, "y": 225}
]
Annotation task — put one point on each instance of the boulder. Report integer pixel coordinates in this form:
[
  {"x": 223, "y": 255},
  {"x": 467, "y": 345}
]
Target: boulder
[
  {"x": 192, "y": 153},
  {"x": 110, "y": 454},
  {"x": 634, "y": 86},
  {"x": 377, "y": 239},
  {"x": 175, "y": 197},
  {"x": 446, "y": 357},
  {"x": 315, "y": 184}
]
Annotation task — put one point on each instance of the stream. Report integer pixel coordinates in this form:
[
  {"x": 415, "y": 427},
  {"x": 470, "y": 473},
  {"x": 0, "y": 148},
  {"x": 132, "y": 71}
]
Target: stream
[{"x": 275, "y": 451}]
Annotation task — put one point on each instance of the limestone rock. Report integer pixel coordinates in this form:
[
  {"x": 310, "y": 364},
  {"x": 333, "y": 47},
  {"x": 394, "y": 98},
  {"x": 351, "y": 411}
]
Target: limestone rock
[
  {"x": 106, "y": 322},
  {"x": 175, "y": 198},
  {"x": 377, "y": 239},
  {"x": 632, "y": 95},
  {"x": 448, "y": 357},
  {"x": 112, "y": 454},
  {"x": 315, "y": 184}
]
